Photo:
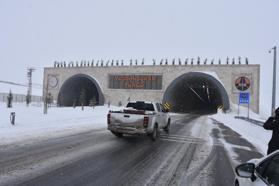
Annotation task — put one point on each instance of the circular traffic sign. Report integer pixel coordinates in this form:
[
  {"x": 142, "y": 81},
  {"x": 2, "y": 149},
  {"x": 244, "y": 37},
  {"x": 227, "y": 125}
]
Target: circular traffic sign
[
  {"x": 53, "y": 81},
  {"x": 242, "y": 83}
]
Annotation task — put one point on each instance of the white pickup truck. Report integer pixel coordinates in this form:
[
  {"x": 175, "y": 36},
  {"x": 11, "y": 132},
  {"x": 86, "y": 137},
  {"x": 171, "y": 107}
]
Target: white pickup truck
[{"x": 139, "y": 118}]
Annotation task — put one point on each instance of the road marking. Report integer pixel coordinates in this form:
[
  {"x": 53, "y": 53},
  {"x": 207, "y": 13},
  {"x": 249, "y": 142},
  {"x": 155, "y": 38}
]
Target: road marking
[
  {"x": 180, "y": 136},
  {"x": 183, "y": 139}
]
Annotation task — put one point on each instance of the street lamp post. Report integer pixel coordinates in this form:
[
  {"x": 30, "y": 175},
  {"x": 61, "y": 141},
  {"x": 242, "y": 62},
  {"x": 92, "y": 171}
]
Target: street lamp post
[{"x": 274, "y": 81}]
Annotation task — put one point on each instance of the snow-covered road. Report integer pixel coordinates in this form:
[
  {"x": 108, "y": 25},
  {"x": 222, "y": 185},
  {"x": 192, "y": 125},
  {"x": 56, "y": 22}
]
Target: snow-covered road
[
  {"x": 41, "y": 147},
  {"x": 32, "y": 125},
  {"x": 198, "y": 150}
]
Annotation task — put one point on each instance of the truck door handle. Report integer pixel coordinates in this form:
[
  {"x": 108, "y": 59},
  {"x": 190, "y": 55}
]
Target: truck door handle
[{"x": 126, "y": 116}]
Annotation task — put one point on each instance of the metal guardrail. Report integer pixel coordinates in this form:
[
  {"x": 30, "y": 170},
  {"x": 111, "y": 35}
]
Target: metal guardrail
[{"x": 256, "y": 122}]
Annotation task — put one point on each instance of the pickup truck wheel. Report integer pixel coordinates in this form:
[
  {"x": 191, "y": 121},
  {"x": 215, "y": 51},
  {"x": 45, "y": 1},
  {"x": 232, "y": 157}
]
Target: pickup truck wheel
[
  {"x": 118, "y": 134},
  {"x": 154, "y": 133},
  {"x": 167, "y": 128}
]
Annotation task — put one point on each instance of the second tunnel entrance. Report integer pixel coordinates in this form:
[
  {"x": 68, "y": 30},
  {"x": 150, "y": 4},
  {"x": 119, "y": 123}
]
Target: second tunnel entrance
[{"x": 196, "y": 92}]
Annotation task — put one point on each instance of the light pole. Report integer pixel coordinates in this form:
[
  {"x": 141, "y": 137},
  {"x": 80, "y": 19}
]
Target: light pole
[{"x": 274, "y": 81}]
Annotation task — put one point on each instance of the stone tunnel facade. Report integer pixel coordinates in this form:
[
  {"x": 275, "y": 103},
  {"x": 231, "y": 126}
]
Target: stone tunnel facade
[{"x": 119, "y": 84}]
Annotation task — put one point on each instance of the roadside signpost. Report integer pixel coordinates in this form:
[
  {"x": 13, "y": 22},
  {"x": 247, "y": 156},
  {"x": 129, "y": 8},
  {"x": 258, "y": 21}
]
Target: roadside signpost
[{"x": 244, "y": 98}]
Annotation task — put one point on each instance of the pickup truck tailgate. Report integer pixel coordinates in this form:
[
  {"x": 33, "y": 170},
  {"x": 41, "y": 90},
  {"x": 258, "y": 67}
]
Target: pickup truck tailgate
[{"x": 127, "y": 120}]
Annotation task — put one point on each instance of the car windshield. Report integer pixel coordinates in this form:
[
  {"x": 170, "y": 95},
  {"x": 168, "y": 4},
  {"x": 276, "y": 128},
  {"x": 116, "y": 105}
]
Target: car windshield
[
  {"x": 271, "y": 170},
  {"x": 141, "y": 106}
]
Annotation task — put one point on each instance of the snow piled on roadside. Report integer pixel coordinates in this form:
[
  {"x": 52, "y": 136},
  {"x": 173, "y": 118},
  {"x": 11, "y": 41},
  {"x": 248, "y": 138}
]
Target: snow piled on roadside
[
  {"x": 255, "y": 134},
  {"x": 32, "y": 124}
]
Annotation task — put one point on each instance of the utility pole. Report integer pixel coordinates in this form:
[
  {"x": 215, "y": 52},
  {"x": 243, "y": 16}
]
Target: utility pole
[
  {"x": 274, "y": 81},
  {"x": 29, "y": 90}
]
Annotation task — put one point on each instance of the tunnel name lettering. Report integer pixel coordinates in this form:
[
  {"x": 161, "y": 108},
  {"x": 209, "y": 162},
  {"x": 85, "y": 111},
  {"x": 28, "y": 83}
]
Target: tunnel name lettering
[
  {"x": 153, "y": 82},
  {"x": 136, "y": 85},
  {"x": 135, "y": 78}
]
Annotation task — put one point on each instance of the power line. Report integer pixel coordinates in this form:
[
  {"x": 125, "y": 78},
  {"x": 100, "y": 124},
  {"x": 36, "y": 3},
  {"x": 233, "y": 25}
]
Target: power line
[
  {"x": 12, "y": 83},
  {"x": 35, "y": 85}
]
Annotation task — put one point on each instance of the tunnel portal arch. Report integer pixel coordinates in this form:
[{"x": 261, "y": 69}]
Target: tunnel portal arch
[
  {"x": 196, "y": 92},
  {"x": 77, "y": 86}
]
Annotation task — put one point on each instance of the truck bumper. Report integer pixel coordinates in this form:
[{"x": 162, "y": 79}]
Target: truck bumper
[{"x": 128, "y": 130}]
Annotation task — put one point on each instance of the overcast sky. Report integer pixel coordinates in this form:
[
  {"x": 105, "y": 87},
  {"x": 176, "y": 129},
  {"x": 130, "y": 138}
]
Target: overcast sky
[{"x": 37, "y": 33}]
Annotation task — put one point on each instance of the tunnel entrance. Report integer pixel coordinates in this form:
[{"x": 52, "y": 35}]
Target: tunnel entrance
[
  {"x": 80, "y": 89},
  {"x": 196, "y": 92}
]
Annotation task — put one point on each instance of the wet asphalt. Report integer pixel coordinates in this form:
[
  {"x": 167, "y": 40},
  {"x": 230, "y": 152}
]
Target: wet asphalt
[{"x": 99, "y": 158}]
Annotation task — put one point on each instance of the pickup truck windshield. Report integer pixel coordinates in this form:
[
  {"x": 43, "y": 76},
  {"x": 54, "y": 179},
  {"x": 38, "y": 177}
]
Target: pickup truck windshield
[{"x": 141, "y": 106}]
